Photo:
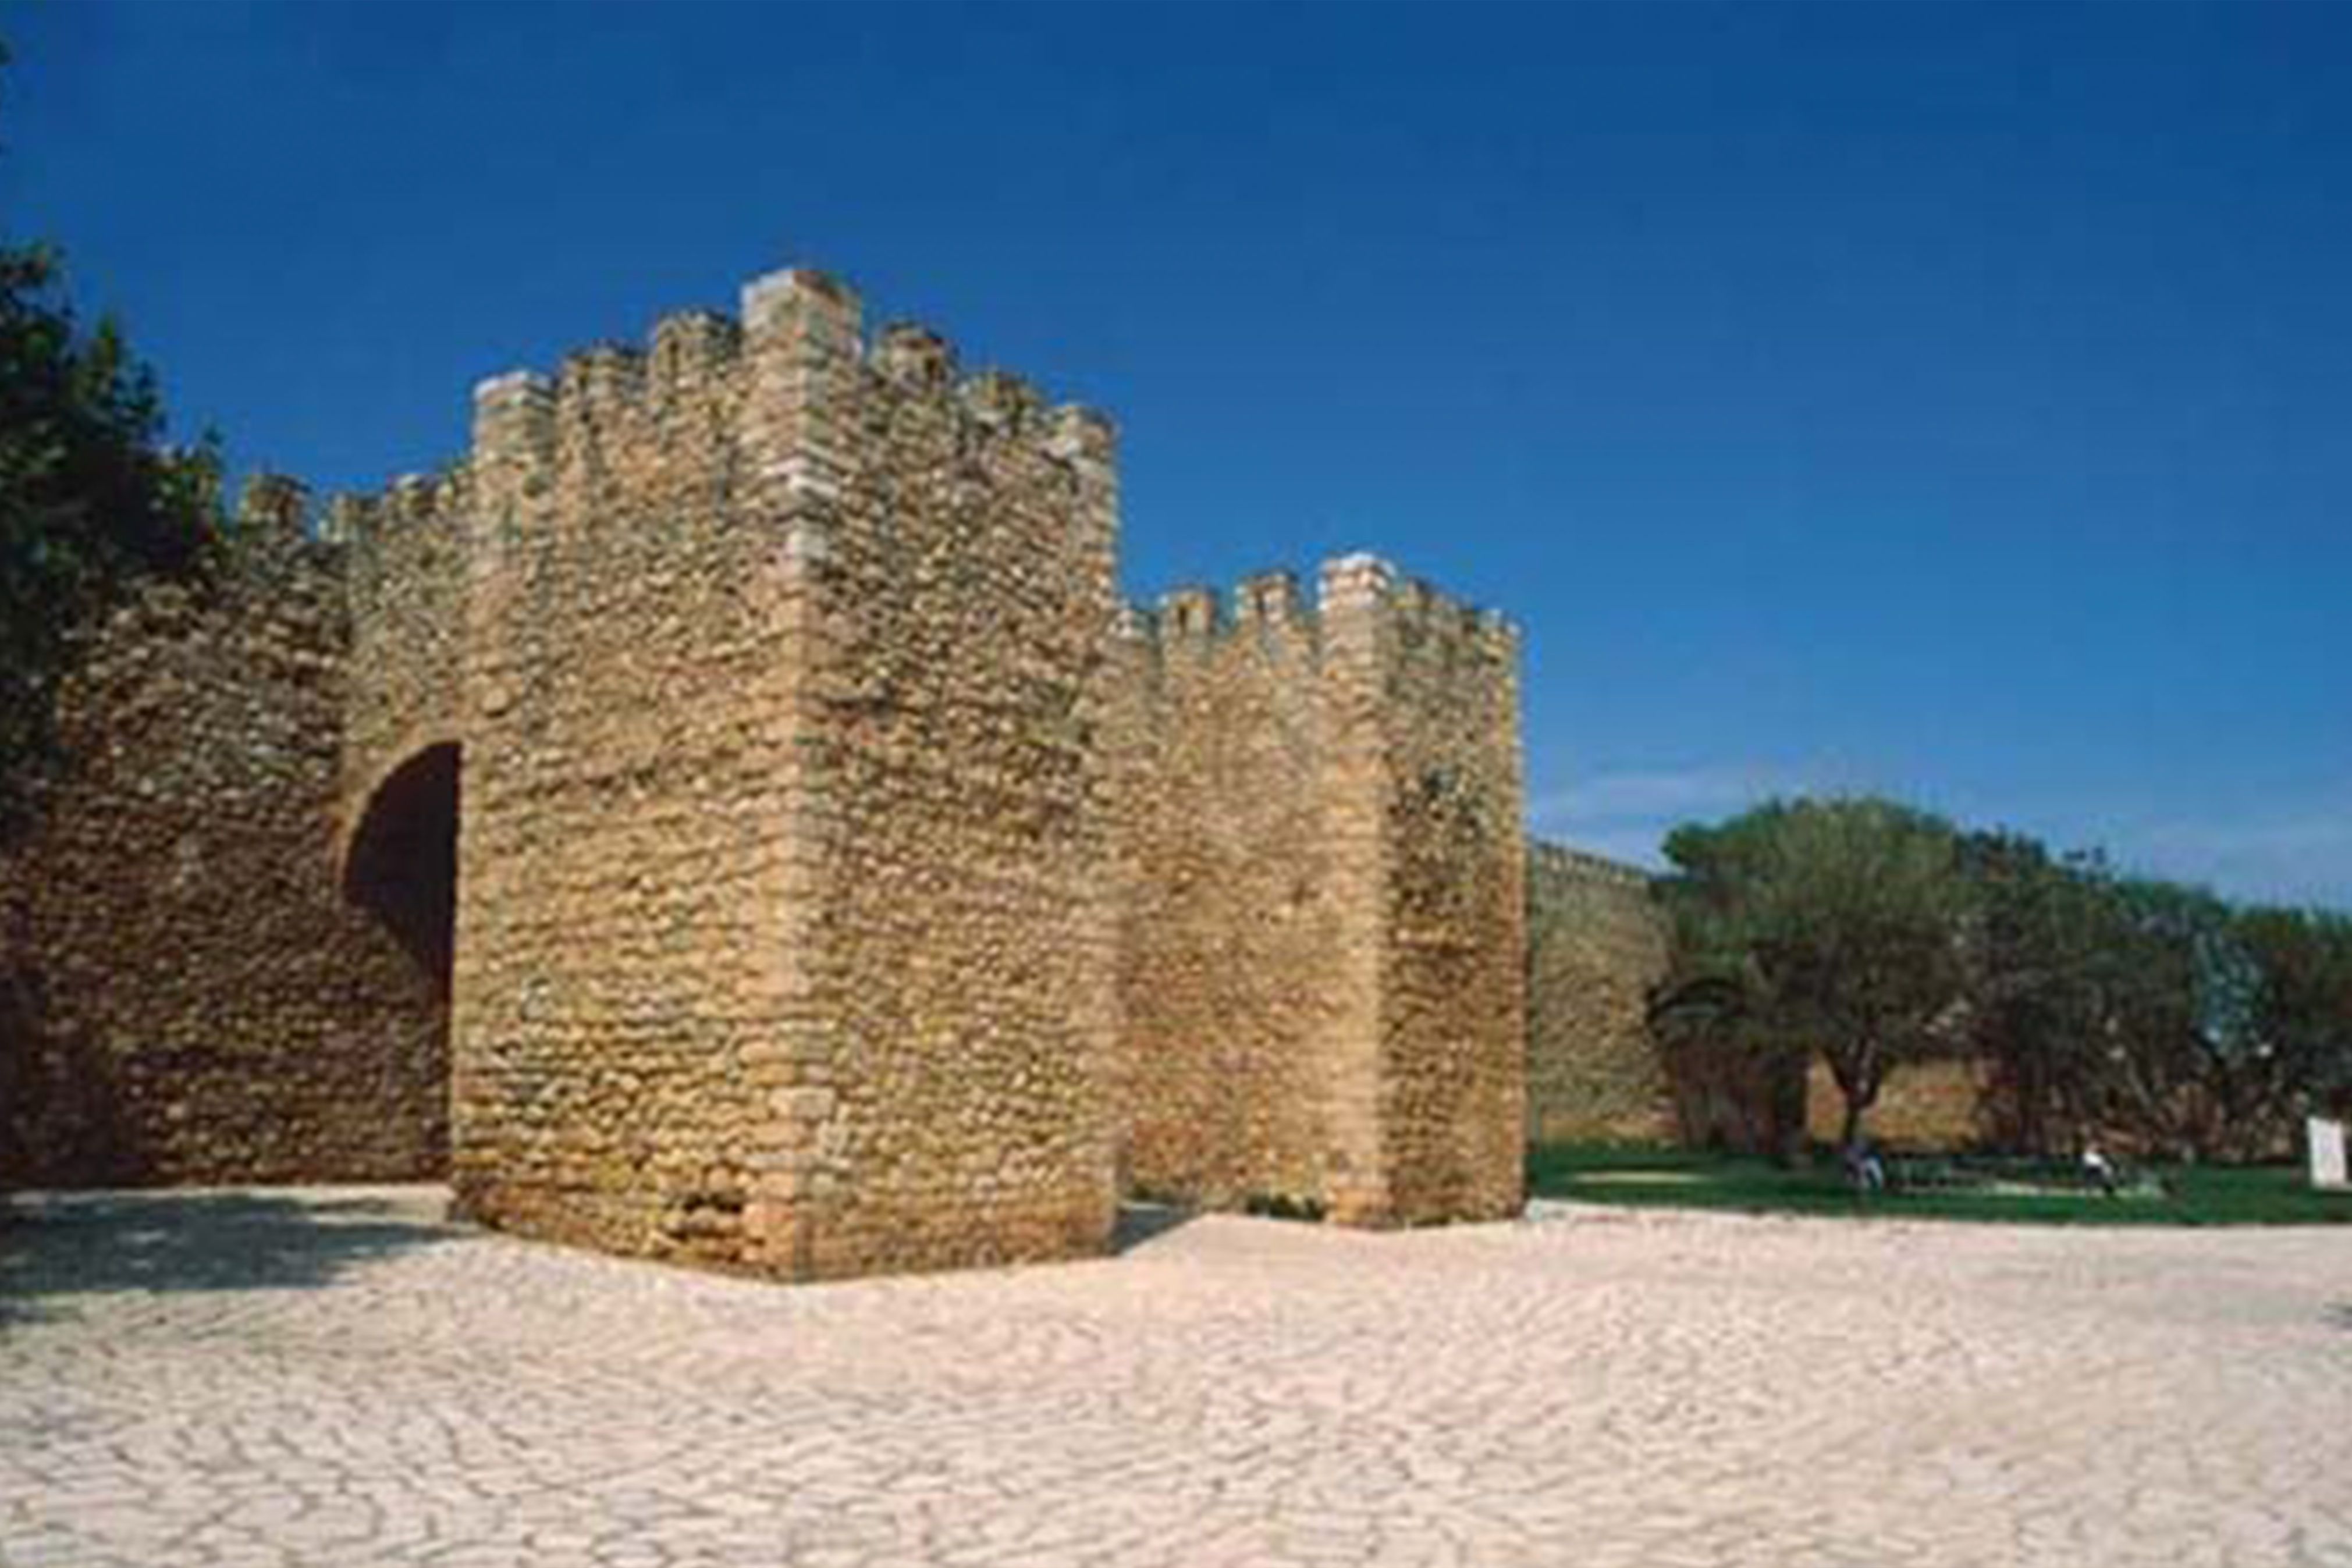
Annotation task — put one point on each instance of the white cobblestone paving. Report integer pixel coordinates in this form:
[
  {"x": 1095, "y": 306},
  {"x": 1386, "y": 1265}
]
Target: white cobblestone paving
[{"x": 335, "y": 1377}]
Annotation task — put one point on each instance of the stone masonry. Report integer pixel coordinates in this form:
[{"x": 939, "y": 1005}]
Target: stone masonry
[
  {"x": 1935, "y": 1105},
  {"x": 185, "y": 995},
  {"x": 1597, "y": 943},
  {"x": 1320, "y": 832},
  {"x": 731, "y": 816}
]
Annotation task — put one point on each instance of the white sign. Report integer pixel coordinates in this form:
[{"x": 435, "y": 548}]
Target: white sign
[{"x": 2327, "y": 1141}]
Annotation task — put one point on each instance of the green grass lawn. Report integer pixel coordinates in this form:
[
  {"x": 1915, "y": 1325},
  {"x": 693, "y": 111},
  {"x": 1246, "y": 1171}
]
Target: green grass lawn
[{"x": 1673, "y": 1178}]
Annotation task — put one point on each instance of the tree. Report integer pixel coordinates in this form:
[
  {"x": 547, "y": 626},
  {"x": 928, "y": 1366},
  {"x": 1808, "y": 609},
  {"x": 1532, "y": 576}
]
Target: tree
[
  {"x": 1831, "y": 928},
  {"x": 2301, "y": 1011},
  {"x": 91, "y": 502},
  {"x": 2051, "y": 960},
  {"x": 2136, "y": 1008},
  {"x": 2181, "y": 1069}
]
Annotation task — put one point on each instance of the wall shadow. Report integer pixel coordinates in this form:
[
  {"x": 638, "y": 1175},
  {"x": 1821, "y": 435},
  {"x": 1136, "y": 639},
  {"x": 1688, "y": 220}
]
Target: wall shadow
[
  {"x": 62, "y": 1116},
  {"x": 403, "y": 861},
  {"x": 1140, "y": 1224},
  {"x": 52, "y": 1248}
]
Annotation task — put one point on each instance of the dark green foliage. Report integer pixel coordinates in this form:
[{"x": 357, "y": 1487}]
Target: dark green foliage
[
  {"x": 2135, "y": 1010},
  {"x": 2050, "y": 969},
  {"x": 2183, "y": 1072},
  {"x": 1834, "y": 928},
  {"x": 2113, "y": 1009},
  {"x": 2301, "y": 1007},
  {"x": 90, "y": 500}
]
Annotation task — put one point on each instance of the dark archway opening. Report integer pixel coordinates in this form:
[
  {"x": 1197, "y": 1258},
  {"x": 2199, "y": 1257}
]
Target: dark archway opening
[{"x": 403, "y": 864}]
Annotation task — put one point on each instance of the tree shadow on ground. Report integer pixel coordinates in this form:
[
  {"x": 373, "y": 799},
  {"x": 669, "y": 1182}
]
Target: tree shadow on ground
[{"x": 54, "y": 1248}]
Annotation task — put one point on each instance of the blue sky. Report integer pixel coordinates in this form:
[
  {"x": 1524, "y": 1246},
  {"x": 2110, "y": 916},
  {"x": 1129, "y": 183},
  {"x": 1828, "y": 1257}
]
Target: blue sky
[{"x": 1956, "y": 403}]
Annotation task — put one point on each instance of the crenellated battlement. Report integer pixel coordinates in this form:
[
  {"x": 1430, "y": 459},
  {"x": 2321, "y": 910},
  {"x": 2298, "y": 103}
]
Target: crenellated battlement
[
  {"x": 599, "y": 377},
  {"x": 273, "y": 506},
  {"x": 1558, "y": 861},
  {"x": 1002, "y": 401},
  {"x": 691, "y": 348},
  {"x": 372, "y": 528},
  {"x": 798, "y": 335},
  {"x": 1442, "y": 617},
  {"x": 914, "y": 355},
  {"x": 1354, "y": 586},
  {"x": 745, "y": 416}
]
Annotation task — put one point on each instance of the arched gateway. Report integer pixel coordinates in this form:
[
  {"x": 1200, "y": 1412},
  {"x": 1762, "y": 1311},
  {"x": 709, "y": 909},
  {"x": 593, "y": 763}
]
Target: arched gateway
[{"x": 401, "y": 862}]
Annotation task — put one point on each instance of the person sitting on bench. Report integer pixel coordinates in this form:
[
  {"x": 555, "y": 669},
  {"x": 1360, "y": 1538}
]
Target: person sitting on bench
[
  {"x": 2099, "y": 1168},
  {"x": 1863, "y": 1168}
]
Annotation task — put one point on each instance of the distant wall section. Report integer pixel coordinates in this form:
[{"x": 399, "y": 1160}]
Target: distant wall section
[
  {"x": 1922, "y": 1105},
  {"x": 1597, "y": 943},
  {"x": 406, "y": 556}
]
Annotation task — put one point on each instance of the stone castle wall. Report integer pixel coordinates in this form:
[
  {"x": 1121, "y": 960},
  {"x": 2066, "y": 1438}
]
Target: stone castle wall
[
  {"x": 735, "y": 809},
  {"x": 185, "y": 995},
  {"x": 1230, "y": 962},
  {"x": 959, "y": 539},
  {"x": 1318, "y": 833},
  {"x": 1596, "y": 942},
  {"x": 1922, "y": 1105}
]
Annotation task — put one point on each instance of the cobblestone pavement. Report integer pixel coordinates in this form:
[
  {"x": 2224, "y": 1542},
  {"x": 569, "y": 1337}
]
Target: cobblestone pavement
[{"x": 271, "y": 1377}]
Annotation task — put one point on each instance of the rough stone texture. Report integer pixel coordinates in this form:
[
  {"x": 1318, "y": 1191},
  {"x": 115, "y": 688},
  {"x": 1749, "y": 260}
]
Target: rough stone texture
[
  {"x": 188, "y": 996},
  {"x": 403, "y": 561},
  {"x": 1318, "y": 833},
  {"x": 740, "y": 743},
  {"x": 1922, "y": 1105},
  {"x": 786, "y": 903},
  {"x": 1596, "y": 942},
  {"x": 625, "y": 663},
  {"x": 1451, "y": 1083},
  {"x": 1230, "y": 962},
  {"x": 953, "y": 1109},
  {"x": 273, "y": 1381}
]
